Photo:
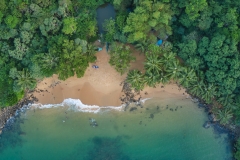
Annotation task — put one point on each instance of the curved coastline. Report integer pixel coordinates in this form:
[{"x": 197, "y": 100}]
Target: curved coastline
[
  {"x": 98, "y": 87},
  {"x": 101, "y": 87}
]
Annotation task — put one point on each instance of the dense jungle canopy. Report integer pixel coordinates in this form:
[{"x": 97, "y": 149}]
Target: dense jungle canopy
[{"x": 200, "y": 49}]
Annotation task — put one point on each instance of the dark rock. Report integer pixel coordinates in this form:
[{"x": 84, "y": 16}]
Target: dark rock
[
  {"x": 151, "y": 116},
  {"x": 93, "y": 122},
  {"x": 133, "y": 109},
  {"x": 211, "y": 117},
  {"x": 207, "y": 124}
]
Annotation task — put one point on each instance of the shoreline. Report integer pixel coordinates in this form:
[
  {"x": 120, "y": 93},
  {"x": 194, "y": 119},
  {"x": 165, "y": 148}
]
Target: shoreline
[
  {"x": 101, "y": 87},
  {"x": 9, "y": 112}
]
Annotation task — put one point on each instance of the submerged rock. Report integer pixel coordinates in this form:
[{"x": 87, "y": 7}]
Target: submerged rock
[
  {"x": 133, "y": 108},
  {"x": 93, "y": 122},
  {"x": 151, "y": 116},
  {"x": 207, "y": 124},
  {"x": 212, "y": 117}
]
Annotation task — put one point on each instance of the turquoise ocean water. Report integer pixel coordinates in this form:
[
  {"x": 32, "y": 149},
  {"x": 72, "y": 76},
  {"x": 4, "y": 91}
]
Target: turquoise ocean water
[{"x": 169, "y": 129}]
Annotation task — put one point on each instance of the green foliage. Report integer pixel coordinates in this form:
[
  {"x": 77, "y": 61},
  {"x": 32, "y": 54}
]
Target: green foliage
[
  {"x": 224, "y": 116},
  {"x": 11, "y": 21},
  {"x": 69, "y": 25},
  {"x": 153, "y": 64},
  {"x": 193, "y": 7},
  {"x": 33, "y": 42},
  {"x": 148, "y": 15},
  {"x": 237, "y": 153},
  {"x": 110, "y": 29},
  {"x": 23, "y": 81},
  {"x": 1, "y": 16},
  {"x": 8, "y": 96},
  {"x": 52, "y": 25},
  {"x": 20, "y": 49},
  {"x": 206, "y": 38},
  {"x": 87, "y": 25},
  {"x": 136, "y": 79},
  {"x": 73, "y": 59},
  {"x": 120, "y": 57}
]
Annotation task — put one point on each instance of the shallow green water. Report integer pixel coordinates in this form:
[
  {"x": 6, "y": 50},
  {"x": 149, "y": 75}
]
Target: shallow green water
[{"x": 41, "y": 134}]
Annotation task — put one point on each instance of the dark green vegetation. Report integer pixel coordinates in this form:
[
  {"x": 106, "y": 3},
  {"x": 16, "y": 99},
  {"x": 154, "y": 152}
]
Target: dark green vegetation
[
  {"x": 200, "y": 49},
  {"x": 42, "y": 37}
]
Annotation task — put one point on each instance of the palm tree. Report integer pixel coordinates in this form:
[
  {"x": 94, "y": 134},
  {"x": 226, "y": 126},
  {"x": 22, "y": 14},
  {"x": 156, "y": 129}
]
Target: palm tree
[
  {"x": 143, "y": 47},
  {"x": 91, "y": 49},
  {"x": 174, "y": 70},
  {"x": 164, "y": 79},
  {"x": 197, "y": 88},
  {"x": 153, "y": 64},
  {"x": 226, "y": 100},
  {"x": 189, "y": 77},
  {"x": 135, "y": 78},
  {"x": 49, "y": 61},
  {"x": 151, "y": 79},
  {"x": 167, "y": 46},
  {"x": 209, "y": 92},
  {"x": 224, "y": 116},
  {"x": 168, "y": 58},
  {"x": 25, "y": 81}
]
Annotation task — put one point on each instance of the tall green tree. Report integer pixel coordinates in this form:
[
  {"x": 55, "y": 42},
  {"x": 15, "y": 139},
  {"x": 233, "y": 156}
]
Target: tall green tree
[
  {"x": 24, "y": 80},
  {"x": 146, "y": 16},
  {"x": 121, "y": 57},
  {"x": 224, "y": 116},
  {"x": 135, "y": 78},
  {"x": 69, "y": 25}
]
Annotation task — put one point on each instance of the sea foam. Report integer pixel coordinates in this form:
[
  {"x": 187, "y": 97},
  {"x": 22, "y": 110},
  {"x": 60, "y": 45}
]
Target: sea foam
[{"x": 77, "y": 106}]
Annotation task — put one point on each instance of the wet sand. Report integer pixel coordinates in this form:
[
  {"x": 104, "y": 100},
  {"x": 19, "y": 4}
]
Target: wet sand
[{"x": 98, "y": 86}]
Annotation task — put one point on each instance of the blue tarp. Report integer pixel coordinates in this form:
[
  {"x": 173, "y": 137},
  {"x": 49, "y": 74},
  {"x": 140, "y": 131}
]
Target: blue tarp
[{"x": 159, "y": 42}]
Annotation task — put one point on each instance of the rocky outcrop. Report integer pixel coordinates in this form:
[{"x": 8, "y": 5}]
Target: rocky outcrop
[
  {"x": 130, "y": 96},
  {"x": 10, "y": 111},
  {"x": 207, "y": 124}
]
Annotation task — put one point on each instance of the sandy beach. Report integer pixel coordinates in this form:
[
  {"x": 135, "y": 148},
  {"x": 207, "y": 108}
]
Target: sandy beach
[{"x": 98, "y": 86}]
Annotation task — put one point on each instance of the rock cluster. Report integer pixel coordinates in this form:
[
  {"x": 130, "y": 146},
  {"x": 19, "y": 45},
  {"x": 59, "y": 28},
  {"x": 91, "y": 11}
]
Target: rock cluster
[
  {"x": 130, "y": 95},
  {"x": 93, "y": 122},
  {"x": 10, "y": 111}
]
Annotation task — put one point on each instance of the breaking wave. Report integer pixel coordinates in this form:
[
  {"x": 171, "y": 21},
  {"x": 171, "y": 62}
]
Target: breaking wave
[{"x": 78, "y": 106}]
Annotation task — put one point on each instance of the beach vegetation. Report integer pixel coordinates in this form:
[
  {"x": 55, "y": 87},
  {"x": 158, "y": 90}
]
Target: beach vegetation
[
  {"x": 237, "y": 153},
  {"x": 136, "y": 79},
  {"x": 224, "y": 116},
  {"x": 121, "y": 57}
]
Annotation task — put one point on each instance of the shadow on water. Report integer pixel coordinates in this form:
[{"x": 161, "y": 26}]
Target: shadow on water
[
  {"x": 107, "y": 148},
  {"x": 104, "y": 12},
  {"x": 11, "y": 135}
]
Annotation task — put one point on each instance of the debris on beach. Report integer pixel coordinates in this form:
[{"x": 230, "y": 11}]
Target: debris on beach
[{"x": 93, "y": 122}]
